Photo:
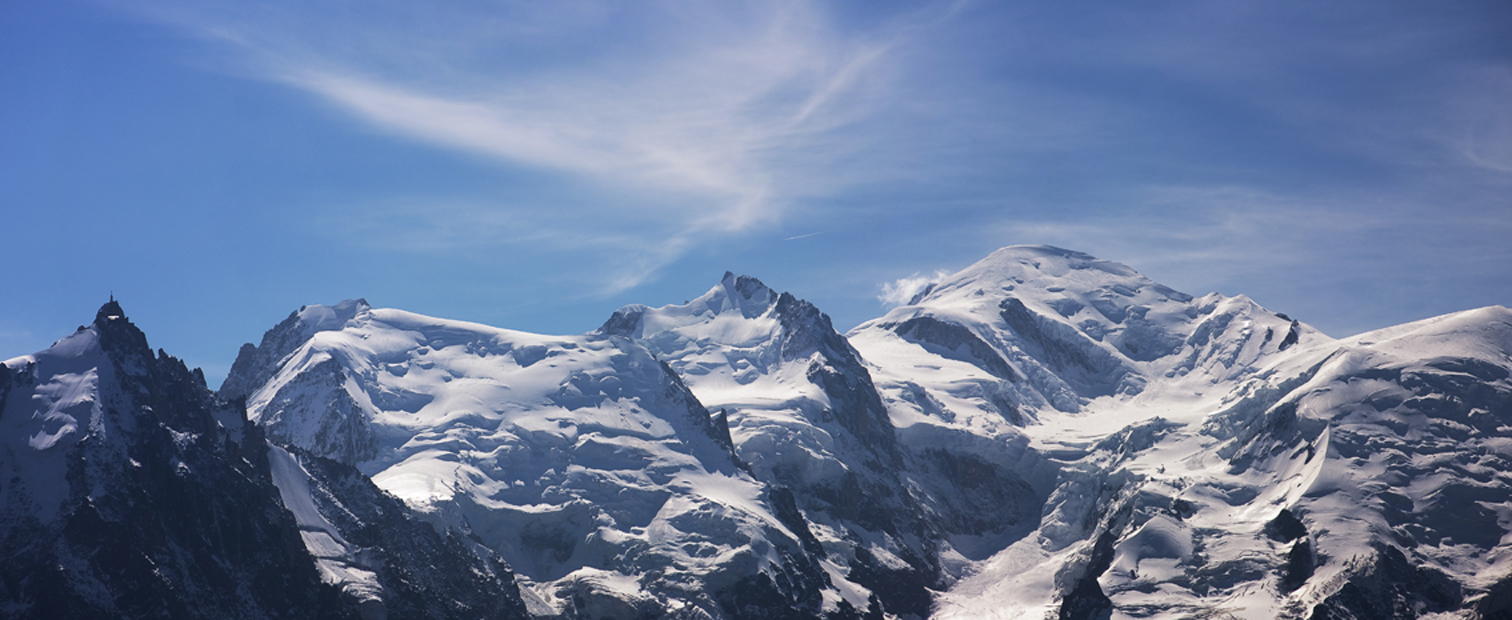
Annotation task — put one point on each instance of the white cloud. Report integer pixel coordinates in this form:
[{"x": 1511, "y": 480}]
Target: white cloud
[
  {"x": 699, "y": 121},
  {"x": 901, "y": 291},
  {"x": 695, "y": 122},
  {"x": 705, "y": 110}
]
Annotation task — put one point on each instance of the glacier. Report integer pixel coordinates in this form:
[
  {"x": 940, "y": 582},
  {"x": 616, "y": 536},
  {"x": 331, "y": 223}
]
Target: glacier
[
  {"x": 1042, "y": 434},
  {"x": 1220, "y": 460},
  {"x": 583, "y": 461},
  {"x": 897, "y": 517}
]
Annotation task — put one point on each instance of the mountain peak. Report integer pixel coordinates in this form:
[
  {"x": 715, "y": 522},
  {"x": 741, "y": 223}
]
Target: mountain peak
[
  {"x": 256, "y": 363},
  {"x": 746, "y": 293},
  {"x": 319, "y": 318},
  {"x": 121, "y": 339},
  {"x": 1079, "y": 327},
  {"x": 735, "y": 293},
  {"x": 1041, "y": 271},
  {"x": 110, "y": 311},
  {"x": 1049, "y": 260},
  {"x": 1042, "y": 250}
]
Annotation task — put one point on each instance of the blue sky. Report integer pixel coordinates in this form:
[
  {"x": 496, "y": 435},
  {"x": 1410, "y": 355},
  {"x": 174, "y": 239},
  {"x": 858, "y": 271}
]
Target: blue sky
[{"x": 218, "y": 164}]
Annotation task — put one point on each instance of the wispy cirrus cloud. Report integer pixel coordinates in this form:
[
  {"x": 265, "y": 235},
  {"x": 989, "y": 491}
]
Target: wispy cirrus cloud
[
  {"x": 694, "y": 121},
  {"x": 706, "y": 111},
  {"x": 681, "y": 125}
]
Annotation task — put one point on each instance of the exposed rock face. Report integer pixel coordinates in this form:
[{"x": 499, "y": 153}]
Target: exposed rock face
[
  {"x": 131, "y": 490},
  {"x": 387, "y": 558}
]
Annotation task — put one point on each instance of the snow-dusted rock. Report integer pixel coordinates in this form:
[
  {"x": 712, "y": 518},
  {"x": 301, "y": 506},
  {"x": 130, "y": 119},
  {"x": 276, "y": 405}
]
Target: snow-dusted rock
[
  {"x": 383, "y": 555},
  {"x": 127, "y": 489}
]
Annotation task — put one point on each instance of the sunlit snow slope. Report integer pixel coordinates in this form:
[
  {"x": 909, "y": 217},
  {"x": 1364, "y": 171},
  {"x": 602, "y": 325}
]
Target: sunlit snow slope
[
  {"x": 900, "y": 515},
  {"x": 1041, "y": 435},
  {"x": 1220, "y": 460},
  {"x": 583, "y": 461}
]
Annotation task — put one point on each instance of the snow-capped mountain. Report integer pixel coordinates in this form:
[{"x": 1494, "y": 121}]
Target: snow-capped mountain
[
  {"x": 1220, "y": 460},
  {"x": 583, "y": 461},
  {"x": 804, "y": 413},
  {"x": 385, "y": 557},
  {"x": 1040, "y": 435},
  {"x": 1032, "y": 328},
  {"x": 129, "y": 489}
]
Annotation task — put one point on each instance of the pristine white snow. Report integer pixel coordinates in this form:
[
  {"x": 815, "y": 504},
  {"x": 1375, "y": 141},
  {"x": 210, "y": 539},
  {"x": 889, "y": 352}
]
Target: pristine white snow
[
  {"x": 726, "y": 345},
  {"x": 745, "y": 353},
  {"x": 1178, "y": 428},
  {"x": 1179, "y": 441},
  {"x": 579, "y": 459}
]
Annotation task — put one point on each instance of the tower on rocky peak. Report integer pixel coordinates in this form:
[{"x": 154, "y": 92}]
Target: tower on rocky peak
[{"x": 110, "y": 311}]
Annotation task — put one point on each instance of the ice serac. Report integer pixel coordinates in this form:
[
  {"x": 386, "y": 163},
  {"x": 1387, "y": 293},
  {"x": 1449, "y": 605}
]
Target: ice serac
[
  {"x": 804, "y": 413},
  {"x": 128, "y": 489},
  {"x": 583, "y": 461}
]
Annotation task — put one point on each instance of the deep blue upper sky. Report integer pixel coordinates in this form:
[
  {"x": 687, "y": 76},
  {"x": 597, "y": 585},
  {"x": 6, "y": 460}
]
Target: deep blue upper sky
[{"x": 218, "y": 164}]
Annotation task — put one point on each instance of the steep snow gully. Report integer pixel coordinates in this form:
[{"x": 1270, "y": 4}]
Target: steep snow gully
[{"x": 1041, "y": 435}]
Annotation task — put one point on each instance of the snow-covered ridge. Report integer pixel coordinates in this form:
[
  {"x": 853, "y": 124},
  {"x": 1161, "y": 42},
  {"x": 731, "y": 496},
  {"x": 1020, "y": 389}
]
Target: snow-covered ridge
[
  {"x": 64, "y": 383},
  {"x": 748, "y": 350},
  {"x": 804, "y": 412},
  {"x": 1076, "y": 328},
  {"x": 255, "y": 364},
  {"x": 1041, "y": 435},
  {"x": 1249, "y": 467},
  {"x": 582, "y": 460}
]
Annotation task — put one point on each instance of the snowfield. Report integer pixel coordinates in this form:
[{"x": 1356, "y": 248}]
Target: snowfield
[
  {"x": 583, "y": 461},
  {"x": 1252, "y": 469},
  {"x": 1041, "y": 435}
]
